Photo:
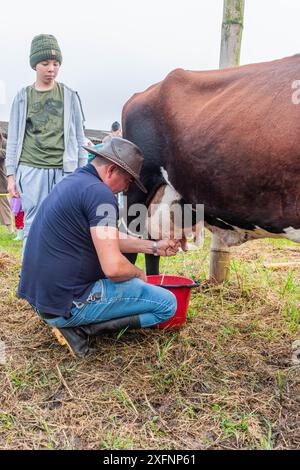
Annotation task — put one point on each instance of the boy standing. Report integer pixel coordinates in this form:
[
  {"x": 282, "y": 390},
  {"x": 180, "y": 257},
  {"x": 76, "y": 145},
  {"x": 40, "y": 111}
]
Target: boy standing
[{"x": 45, "y": 135}]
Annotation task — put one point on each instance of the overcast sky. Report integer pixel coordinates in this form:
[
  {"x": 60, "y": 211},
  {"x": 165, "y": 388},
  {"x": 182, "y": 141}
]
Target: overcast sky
[{"x": 114, "y": 49}]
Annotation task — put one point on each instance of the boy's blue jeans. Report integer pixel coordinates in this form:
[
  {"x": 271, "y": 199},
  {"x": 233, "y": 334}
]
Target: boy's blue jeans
[{"x": 109, "y": 300}]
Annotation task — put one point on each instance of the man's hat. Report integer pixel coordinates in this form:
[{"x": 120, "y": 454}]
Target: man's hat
[{"x": 125, "y": 154}]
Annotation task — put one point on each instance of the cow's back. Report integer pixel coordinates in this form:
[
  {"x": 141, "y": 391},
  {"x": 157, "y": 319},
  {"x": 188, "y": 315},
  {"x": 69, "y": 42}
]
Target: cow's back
[{"x": 227, "y": 138}]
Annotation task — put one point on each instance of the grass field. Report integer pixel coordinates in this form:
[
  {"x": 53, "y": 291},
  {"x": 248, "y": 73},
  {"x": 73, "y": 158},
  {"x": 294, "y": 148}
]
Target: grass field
[{"x": 226, "y": 380}]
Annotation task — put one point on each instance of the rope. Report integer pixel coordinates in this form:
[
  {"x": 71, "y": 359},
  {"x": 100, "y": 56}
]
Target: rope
[
  {"x": 164, "y": 273},
  {"x": 187, "y": 271},
  {"x": 167, "y": 264}
]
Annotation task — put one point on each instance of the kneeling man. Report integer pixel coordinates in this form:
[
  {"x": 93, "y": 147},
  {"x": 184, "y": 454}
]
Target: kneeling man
[{"x": 74, "y": 273}]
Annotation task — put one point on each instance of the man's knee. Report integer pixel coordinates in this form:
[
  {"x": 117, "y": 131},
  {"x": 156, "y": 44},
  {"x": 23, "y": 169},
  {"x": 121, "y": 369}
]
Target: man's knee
[
  {"x": 168, "y": 306},
  {"x": 164, "y": 303},
  {"x": 172, "y": 306}
]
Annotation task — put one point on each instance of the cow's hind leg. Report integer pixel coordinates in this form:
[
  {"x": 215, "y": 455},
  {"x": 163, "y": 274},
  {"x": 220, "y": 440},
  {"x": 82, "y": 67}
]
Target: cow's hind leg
[{"x": 131, "y": 257}]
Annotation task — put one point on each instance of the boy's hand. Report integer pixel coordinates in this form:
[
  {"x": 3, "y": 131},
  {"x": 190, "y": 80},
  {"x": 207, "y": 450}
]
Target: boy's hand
[{"x": 12, "y": 187}]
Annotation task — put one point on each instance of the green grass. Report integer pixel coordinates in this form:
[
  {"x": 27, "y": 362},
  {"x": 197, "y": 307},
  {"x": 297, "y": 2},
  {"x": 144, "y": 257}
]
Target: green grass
[
  {"x": 162, "y": 349},
  {"x": 224, "y": 380},
  {"x": 115, "y": 441},
  {"x": 7, "y": 244}
]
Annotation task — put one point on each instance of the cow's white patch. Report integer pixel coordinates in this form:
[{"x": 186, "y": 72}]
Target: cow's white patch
[
  {"x": 292, "y": 234},
  {"x": 218, "y": 244},
  {"x": 166, "y": 177},
  {"x": 165, "y": 217},
  {"x": 159, "y": 223},
  {"x": 228, "y": 237},
  {"x": 196, "y": 232}
]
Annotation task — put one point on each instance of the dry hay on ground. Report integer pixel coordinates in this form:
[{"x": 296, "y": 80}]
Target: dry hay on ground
[
  {"x": 224, "y": 381},
  {"x": 7, "y": 261}
]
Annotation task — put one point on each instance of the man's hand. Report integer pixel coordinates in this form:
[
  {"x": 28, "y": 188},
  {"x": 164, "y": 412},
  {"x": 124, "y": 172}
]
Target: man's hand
[
  {"x": 12, "y": 187},
  {"x": 129, "y": 244},
  {"x": 167, "y": 247}
]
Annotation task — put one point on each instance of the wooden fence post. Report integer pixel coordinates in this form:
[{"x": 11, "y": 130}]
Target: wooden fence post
[{"x": 232, "y": 29}]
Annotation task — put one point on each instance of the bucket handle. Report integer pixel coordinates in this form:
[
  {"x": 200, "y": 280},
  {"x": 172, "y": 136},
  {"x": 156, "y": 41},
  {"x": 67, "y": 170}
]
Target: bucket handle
[{"x": 177, "y": 286}]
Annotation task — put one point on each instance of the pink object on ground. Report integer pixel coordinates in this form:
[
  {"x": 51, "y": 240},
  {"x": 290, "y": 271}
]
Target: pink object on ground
[{"x": 15, "y": 205}]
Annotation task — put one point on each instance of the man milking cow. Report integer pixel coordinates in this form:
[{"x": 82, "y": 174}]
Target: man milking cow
[{"x": 74, "y": 273}]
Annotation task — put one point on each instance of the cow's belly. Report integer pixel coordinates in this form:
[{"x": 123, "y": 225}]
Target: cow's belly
[
  {"x": 161, "y": 225},
  {"x": 237, "y": 235}
]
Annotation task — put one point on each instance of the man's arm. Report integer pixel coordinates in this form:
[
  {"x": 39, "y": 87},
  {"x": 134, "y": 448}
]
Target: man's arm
[
  {"x": 129, "y": 244},
  {"x": 114, "y": 265}
]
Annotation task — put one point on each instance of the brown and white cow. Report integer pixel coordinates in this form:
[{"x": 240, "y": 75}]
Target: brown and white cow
[{"x": 228, "y": 139}]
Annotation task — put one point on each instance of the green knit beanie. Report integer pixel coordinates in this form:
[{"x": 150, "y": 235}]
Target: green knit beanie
[{"x": 44, "y": 47}]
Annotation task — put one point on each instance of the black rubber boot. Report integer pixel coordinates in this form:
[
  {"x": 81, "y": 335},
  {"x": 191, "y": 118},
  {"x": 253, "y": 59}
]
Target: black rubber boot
[
  {"x": 75, "y": 339},
  {"x": 131, "y": 322}
]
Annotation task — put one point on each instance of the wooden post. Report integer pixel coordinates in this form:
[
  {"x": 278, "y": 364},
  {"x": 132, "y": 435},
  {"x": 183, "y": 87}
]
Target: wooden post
[
  {"x": 219, "y": 260},
  {"x": 232, "y": 30}
]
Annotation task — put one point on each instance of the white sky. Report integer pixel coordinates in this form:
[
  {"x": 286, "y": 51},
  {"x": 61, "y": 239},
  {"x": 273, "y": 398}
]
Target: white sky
[{"x": 112, "y": 49}]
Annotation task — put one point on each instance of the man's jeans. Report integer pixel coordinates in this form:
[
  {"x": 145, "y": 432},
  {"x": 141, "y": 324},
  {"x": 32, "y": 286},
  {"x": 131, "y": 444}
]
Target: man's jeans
[{"x": 109, "y": 300}]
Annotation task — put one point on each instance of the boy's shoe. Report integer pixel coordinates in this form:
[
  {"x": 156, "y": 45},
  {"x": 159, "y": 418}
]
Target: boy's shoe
[{"x": 19, "y": 235}]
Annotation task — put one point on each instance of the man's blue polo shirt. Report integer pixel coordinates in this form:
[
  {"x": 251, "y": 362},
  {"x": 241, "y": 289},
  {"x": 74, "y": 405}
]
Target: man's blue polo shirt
[{"x": 60, "y": 263}]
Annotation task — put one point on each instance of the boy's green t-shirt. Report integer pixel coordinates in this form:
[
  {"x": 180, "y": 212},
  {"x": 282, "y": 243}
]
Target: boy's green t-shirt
[{"x": 43, "y": 145}]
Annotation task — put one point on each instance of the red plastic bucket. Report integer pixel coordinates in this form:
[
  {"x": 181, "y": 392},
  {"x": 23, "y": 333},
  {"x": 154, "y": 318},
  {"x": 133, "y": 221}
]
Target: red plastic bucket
[{"x": 181, "y": 288}]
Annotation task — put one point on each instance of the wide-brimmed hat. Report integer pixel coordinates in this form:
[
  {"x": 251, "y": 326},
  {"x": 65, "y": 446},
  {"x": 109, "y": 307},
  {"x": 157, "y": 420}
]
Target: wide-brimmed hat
[{"x": 125, "y": 154}]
